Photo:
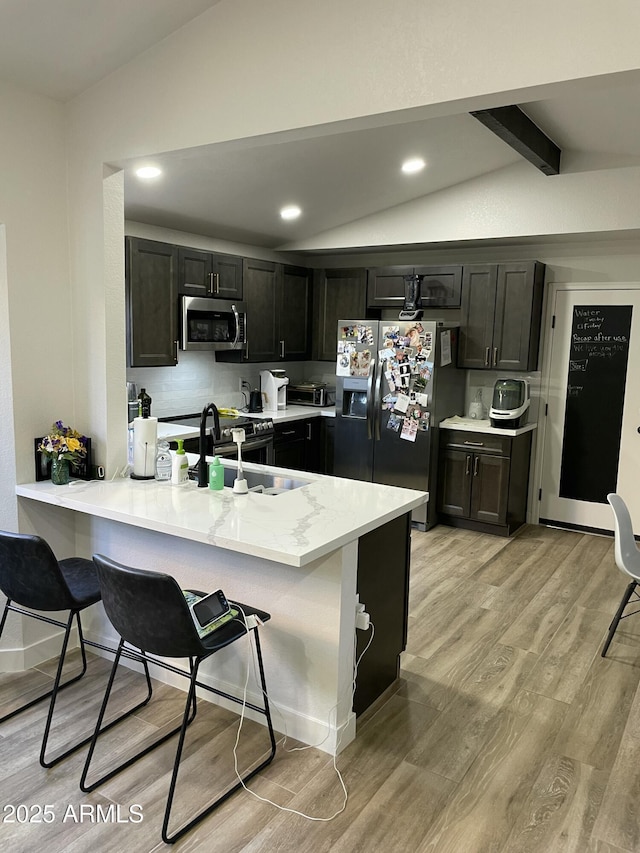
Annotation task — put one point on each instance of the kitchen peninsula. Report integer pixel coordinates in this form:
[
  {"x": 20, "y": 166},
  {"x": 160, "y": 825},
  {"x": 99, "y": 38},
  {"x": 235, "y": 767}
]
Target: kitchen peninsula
[{"x": 302, "y": 555}]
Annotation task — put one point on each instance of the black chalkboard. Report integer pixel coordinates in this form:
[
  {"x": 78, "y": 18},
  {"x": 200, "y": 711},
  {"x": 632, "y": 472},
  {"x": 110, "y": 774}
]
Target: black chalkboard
[{"x": 596, "y": 380}]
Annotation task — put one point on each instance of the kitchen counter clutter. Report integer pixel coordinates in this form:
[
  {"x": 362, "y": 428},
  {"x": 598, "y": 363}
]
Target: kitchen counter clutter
[{"x": 302, "y": 555}]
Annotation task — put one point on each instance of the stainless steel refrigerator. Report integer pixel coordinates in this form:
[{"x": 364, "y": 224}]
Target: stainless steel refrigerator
[{"x": 395, "y": 382}]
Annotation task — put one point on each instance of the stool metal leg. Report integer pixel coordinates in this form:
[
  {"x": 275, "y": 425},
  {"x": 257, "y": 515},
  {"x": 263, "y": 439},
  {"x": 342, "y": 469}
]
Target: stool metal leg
[
  {"x": 48, "y": 693},
  {"x": 56, "y": 687},
  {"x": 99, "y": 729},
  {"x": 170, "y": 839},
  {"x": 616, "y": 619}
]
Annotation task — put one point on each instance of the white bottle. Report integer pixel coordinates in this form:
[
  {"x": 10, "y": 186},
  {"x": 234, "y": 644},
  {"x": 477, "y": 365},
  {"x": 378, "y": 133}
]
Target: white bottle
[{"x": 179, "y": 466}]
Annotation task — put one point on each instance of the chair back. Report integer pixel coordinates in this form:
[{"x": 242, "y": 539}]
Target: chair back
[
  {"x": 30, "y": 574},
  {"x": 626, "y": 550},
  {"x": 148, "y": 609}
]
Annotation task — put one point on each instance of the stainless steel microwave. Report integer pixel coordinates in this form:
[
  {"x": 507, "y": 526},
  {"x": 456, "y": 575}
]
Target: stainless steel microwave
[{"x": 212, "y": 324}]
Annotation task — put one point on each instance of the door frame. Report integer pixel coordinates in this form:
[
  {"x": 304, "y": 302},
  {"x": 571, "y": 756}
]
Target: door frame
[{"x": 533, "y": 513}]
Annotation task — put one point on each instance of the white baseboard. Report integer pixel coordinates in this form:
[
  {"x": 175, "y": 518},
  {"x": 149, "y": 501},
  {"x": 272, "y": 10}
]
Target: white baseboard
[
  {"x": 19, "y": 658},
  {"x": 322, "y": 734}
]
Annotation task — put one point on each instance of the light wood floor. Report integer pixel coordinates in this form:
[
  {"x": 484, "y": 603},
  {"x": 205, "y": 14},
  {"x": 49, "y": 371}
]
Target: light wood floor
[{"x": 507, "y": 732}]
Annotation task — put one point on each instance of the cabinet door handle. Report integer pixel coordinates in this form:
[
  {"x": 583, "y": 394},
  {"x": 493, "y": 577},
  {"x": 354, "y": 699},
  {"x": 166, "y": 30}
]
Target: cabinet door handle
[
  {"x": 468, "y": 466},
  {"x": 308, "y": 432},
  {"x": 281, "y": 349},
  {"x": 487, "y": 355},
  {"x": 216, "y": 282},
  {"x": 288, "y": 432},
  {"x": 475, "y": 466},
  {"x": 495, "y": 356},
  {"x": 175, "y": 356},
  {"x": 210, "y": 284}
]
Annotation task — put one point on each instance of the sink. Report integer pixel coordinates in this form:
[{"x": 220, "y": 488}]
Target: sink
[{"x": 263, "y": 482}]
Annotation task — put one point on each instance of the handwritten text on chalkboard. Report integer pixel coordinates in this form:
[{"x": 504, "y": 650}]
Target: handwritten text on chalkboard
[{"x": 598, "y": 355}]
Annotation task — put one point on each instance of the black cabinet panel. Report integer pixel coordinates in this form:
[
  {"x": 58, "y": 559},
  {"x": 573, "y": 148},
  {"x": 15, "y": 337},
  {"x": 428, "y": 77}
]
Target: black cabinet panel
[
  {"x": 337, "y": 294},
  {"x": 294, "y": 329},
  {"x": 501, "y": 316},
  {"x": 260, "y": 283},
  {"x": 209, "y": 274},
  {"x": 483, "y": 480},
  {"x": 440, "y": 286},
  {"x": 152, "y": 303}
]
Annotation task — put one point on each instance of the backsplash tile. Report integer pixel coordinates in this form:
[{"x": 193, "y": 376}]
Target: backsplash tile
[{"x": 198, "y": 379}]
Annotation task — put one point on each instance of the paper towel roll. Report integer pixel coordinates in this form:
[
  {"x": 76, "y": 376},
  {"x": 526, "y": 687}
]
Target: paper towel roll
[{"x": 145, "y": 435}]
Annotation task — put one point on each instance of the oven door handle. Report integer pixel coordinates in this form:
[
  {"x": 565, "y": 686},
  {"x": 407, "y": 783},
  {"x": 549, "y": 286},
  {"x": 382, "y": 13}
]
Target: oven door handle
[{"x": 232, "y": 449}]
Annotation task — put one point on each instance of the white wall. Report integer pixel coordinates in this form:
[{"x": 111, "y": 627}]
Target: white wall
[{"x": 37, "y": 366}]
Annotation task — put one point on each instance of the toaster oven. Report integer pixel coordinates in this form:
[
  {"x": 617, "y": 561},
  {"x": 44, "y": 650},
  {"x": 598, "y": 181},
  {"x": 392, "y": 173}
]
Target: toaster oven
[{"x": 311, "y": 394}]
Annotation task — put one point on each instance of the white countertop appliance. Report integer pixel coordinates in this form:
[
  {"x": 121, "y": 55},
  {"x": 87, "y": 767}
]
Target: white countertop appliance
[
  {"x": 510, "y": 402},
  {"x": 273, "y": 385}
]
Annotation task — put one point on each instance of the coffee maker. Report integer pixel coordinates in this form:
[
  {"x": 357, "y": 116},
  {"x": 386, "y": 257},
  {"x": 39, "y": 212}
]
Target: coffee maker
[{"x": 273, "y": 385}]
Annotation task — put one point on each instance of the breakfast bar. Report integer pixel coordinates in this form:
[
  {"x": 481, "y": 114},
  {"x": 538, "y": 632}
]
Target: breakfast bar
[{"x": 304, "y": 554}]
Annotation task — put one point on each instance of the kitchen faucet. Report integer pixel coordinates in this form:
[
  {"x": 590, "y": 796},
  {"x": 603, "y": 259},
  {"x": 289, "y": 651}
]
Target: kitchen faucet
[{"x": 202, "y": 449}]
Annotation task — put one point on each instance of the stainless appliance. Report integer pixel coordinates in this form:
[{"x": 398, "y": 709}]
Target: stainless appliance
[
  {"x": 133, "y": 404},
  {"x": 257, "y": 447},
  {"x": 395, "y": 382},
  {"x": 510, "y": 403},
  {"x": 311, "y": 394},
  {"x": 273, "y": 385},
  {"x": 212, "y": 324}
]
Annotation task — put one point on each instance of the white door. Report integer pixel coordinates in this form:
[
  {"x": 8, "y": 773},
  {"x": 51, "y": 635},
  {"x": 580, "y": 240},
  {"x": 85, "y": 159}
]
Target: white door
[{"x": 591, "y": 441}]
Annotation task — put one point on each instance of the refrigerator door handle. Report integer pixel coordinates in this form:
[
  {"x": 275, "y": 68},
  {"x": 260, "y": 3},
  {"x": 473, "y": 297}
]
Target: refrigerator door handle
[
  {"x": 370, "y": 400},
  {"x": 377, "y": 402}
]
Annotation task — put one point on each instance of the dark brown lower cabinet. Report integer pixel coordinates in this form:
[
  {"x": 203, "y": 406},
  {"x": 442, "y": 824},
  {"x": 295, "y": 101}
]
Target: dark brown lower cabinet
[
  {"x": 305, "y": 445},
  {"x": 483, "y": 480}
]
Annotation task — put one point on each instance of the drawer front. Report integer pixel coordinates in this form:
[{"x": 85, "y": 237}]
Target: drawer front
[
  {"x": 290, "y": 431},
  {"x": 476, "y": 442}
]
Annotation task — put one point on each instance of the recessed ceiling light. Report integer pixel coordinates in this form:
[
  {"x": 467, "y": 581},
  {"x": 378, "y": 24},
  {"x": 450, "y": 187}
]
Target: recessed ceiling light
[
  {"x": 415, "y": 164},
  {"x": 148, "y": 172},
  {"x": 292, "y": 211}
]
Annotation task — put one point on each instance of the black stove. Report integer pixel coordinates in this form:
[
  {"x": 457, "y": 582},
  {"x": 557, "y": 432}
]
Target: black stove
[{"x": 257, "y": 432}]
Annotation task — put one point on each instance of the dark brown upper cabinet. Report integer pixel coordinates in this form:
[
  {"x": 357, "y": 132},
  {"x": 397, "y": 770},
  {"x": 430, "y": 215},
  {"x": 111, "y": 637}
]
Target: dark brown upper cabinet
[
  {"x": 440, "y": 286},
  {"x": 501, "y": 316},
  {"x": 209, "y": 274},
  {"x": 339, "y": 294},
  {"x": 151, "y": 274},
  {"x": 278, "y": 304}
]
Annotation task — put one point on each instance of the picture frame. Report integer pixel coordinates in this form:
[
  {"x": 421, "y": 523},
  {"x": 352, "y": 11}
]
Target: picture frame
[{"x": 77, "y": 471}]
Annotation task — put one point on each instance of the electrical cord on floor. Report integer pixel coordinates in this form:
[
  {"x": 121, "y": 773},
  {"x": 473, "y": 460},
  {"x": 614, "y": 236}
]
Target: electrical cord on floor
[{"x": 339, "y": 730}]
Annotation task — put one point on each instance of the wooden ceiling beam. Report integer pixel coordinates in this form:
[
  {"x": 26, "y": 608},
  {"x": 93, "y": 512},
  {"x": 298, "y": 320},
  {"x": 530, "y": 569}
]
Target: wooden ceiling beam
[{"x": 517, "y": 130}]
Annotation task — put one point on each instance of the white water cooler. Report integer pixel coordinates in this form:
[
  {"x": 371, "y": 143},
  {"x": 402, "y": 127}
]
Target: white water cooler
[{"x": 273, "y": 385}]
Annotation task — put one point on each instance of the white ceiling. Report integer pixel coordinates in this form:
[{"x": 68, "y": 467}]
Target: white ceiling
[{"x": 234, "y": 191}]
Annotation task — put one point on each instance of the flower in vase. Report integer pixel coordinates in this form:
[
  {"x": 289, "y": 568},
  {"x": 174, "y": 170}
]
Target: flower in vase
[{"x": 63, "y": 443}]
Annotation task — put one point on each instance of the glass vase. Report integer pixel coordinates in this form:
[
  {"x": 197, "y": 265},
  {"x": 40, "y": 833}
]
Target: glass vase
[{"x": 60, "y": 472}]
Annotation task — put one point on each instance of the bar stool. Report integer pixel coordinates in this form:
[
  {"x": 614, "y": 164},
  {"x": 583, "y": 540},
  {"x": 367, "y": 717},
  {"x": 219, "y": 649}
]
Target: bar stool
[
  {"x": 149, "y": 611},
  {"x": 627, "y": 556},
  {"x": 31, "y": 577}
]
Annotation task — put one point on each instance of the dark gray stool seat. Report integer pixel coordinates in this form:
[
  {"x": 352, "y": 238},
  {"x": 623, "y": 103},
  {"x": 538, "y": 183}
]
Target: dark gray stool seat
[
  {"x": 149, "y": 611},
  {"x": 33, "y": 580}
]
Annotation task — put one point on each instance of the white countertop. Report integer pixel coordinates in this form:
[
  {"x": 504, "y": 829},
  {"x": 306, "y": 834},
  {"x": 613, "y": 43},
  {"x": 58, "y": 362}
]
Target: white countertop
[
  {"x": 471, "y": 425},
  {"x": 293, "y": 528}
]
